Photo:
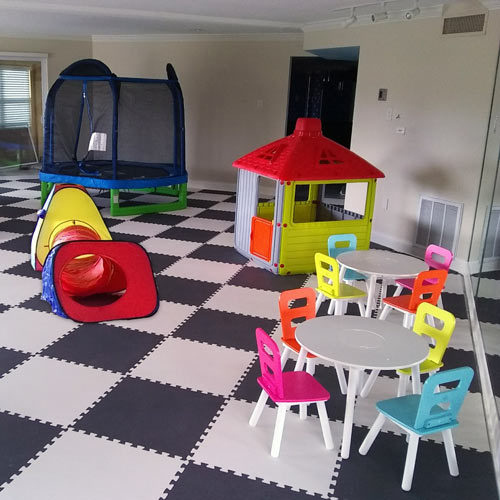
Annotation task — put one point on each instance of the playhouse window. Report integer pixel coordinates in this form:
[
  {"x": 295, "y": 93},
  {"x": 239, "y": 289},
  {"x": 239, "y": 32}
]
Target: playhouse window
[
  {"x": 265, "y": 192},
  {"x": 330, "y": 202}
]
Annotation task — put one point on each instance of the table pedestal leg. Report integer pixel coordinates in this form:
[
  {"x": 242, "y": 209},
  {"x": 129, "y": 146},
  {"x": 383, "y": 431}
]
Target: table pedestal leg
[
  {"x": 415, "y": 379},
  {"x": 349, "y": 411},
  {"x": 372, "y": 285}
]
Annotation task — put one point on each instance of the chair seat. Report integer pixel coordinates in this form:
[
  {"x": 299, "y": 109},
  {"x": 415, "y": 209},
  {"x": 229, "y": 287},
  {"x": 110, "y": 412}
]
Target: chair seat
[
  {"x": 345, "y": 292},
  {"x": 425, "y": 367},
  {"x": 351, "y": 275},
  {"x": 403, "y": 411},
  {"x": 409, "y": 283},
  {"x": 295, "y": 346},
  {"x": 401, "y": 302},
  {"x": 298, "y": 387}
]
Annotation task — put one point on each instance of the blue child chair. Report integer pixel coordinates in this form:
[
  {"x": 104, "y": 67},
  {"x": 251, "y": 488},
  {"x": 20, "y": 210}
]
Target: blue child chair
[
  {"x": 420, "y": 415},
  {"x": 334, "y": 250}
]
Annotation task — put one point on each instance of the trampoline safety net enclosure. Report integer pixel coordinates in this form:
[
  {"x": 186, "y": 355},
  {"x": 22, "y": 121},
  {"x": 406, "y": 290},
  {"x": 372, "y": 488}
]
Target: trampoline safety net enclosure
[{"x": 109, "y": 132}]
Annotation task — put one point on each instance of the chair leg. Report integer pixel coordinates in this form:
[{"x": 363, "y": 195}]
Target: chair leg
[
  {"x": 450, "y": 452},
  {"x": 302, "y": 411},
  {"x": 284, "y": 356},
  {"x": 411, "y": 456},
  {"x": 372, "y": 434},
  {"x": 367, "y": 387},
  {"x": 319, "y": 300},
  {"x": 398, "y": 291},
  {"x": 361, "y": 308},
  {"x": 407, "y": 321},
  {"x": 310, "y": 366},
  {"x": 278, "y": 430},
  {"x": 257, "y": 411},
  {"x": 402, "y": 384},
  {"x": 325, "y": 424},
  {"x": 332, "y": 306},
  {"x": 341, "y": 378},
  {"x": 385, "y": 312}
]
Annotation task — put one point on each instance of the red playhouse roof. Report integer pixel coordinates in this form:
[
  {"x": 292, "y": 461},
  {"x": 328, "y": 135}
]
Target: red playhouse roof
[{"x": 307, "y": 155}]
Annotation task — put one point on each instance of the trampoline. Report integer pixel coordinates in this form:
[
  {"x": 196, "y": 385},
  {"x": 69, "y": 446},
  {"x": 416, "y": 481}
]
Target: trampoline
[{"x": 107, "y": 132}]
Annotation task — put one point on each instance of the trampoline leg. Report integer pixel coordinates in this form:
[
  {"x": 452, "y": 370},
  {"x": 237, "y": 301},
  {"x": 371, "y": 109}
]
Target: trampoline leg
[{"x": 45, "y": 188}]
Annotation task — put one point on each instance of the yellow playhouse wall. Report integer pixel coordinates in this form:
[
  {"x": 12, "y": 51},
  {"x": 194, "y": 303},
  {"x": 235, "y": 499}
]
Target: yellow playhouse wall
[{"x": 300, "y": 241}]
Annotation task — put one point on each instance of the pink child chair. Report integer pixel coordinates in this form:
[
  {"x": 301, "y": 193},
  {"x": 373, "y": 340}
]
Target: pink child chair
[
  {"x": 443, "y": 261},
  {"x": 286, "y": 389}
]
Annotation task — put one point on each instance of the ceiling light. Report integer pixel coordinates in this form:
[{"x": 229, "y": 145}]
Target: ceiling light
[
  {"x": 410, "y": 14},
  {"x": 379, "y": 16}
]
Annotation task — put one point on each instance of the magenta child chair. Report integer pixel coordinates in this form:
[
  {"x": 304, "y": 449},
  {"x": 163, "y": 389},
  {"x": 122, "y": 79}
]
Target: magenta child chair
[
  {"x": 436, "y": 257},
  {"x": 286, "y": 389}
]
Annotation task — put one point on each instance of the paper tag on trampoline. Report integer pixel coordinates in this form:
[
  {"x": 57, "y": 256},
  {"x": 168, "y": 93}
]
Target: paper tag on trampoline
[{"x": 97, "y": 141}]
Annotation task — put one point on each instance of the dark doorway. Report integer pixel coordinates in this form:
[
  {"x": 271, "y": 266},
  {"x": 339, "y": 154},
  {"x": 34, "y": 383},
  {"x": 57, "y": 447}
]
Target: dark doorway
[{"x": 325, "y": 89}]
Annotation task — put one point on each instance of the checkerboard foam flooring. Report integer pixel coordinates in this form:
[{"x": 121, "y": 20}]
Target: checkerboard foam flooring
[{"x": 158, "y": 408}]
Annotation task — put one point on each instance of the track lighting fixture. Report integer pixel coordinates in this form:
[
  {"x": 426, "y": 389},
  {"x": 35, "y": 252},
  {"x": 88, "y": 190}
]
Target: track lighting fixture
[
  {"x": 379, "y": 16},
  {"x": 410, "y": 14},
  {"x": 350, "y": 20}
]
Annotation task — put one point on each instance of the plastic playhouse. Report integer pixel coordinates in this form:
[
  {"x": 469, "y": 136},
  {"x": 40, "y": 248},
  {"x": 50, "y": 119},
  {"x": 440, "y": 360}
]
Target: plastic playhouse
[
  {"x": 320, "y": 188},
  {"x": 107, "y": 132}
]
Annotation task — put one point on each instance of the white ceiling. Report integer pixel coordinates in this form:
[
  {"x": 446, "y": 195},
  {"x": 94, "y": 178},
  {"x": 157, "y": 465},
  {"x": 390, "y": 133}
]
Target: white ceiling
[{"x": 75, "y": 18}]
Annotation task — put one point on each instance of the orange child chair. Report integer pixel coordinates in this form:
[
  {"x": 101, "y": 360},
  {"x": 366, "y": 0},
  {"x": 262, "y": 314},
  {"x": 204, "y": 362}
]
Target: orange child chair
[
  {"x": 436, "y": 257},
  {"x": 287, "y": 315},
  {"x": 427, "y": 288}
]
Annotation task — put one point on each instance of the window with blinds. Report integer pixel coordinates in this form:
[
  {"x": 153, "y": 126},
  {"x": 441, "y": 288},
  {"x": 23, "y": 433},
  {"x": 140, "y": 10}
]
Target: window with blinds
[{"x": 15, "y": 96}]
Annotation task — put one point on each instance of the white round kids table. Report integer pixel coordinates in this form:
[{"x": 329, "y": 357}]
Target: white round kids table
[
  {"x": 361, "y": 343},
  {"x": 380, "y": 264}
]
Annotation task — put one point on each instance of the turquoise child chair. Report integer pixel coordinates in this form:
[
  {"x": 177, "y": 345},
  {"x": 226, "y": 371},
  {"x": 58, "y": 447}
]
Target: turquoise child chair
[
  {"x": 428, "y": 413},
  {"x": 334, "y": 250}
]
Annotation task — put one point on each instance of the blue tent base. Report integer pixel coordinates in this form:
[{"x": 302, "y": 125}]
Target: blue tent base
[{"x": 176, "y": 195}]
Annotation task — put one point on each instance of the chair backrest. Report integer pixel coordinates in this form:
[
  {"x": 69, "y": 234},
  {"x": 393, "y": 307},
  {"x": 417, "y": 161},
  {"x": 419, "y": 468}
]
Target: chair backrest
[
  {"x": 327, "y": 272},
  {"x": 440, "y": 335},
  {"x": 270, "y": 364},
  {"x": 334, "y": 250},
  {"x": 449, "y": 400},
  {"x": 287, "y": 313},
  {"x": 444, "y": 255},
  {"x": 427, "y": 287}
]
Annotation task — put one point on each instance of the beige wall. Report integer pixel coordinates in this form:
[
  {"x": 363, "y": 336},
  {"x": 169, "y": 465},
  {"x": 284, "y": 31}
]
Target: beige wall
[
  {"x": 441, "y": 87},
  {"x": 235, "y": 93},
  {"x": 61, "y": 52}
]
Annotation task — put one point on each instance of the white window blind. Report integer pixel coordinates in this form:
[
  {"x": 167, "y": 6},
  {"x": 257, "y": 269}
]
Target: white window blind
[{"x": 15, "y": 96}]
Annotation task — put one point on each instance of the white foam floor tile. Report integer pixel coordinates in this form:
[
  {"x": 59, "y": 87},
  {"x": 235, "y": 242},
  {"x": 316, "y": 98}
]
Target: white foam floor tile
[
  {"x": 488, "y": 289},
  {"x": 223, "y": 239},
  {"x": 167, "y": 364},
  {"x": 6, "y": 236},
  {"x": 169, "y": 316},
  {"x": 491, "y": 337},
  {"x": 454, "y": 284},
  {"x": 202, "y": 270},
  {"x": 105, "y": 212},
  {"x": 3, "y": 219},
  {"x": 82, "y": 467},
  {"x": 32, "y": 217},
  {"x": 248, "y": 301},
  {"x": 206, "y": 224},
  {"x": 33, "y": 203},
  {"x": 23, "y": 193},
  {"x": 17, "y": 289},
  {"x": 52, "y": 390},
  {"x": 209, "y": 196},
  {"x": 30, "y": 331},
  {"x": 15, "y": 184},
  {"x": 10, "y": 259},
  {"x": 166, "y": 246},
  {"x": 189, "y": 211},
  {"x": 225, "y": 206},
  {"x": 304, "y": 462},
  {"x": 461, "y": 337},
  {"x": 139, "y": 228}
]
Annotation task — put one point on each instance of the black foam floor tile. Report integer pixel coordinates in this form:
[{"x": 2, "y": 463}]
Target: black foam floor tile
[
  {"x": 188, "y": 234},
  {"x": 252, "y": 277},
  {"x": 455, "y": 304},
  {"x": 219, "y": 253},
  {"x": 184, "y": 291},
  {"x": 200, "y": 203},
  {"x": 17, "y": 226},
  {"x": 37, "y": 304},
  {"x": 488, "y": 310},
  {"x": 20, "y": 440},
  {"x": 24, "y": 270},
  {"x": 3, "y": 308},
  {"x": 198, "y": 482},
  {"x": 378, "y": 474},
  {"x": 15, "y": 212},
  {"x": 494, "y": 370},
  {"x": 160, "y": 262},
  {"x": 231, "y": 199},
  {"x": 165, "y": 219},
  {"x": 224, "y": 328},
  {"x": 21, "y": 244},
  {"x": 136, "y": 238},
  {"x": 456, "y": 358},
  {"x": 103, "y": 346},
  {"x": 10, "y": 200},
  {"x": 10, "y": 358},
  {"x": 217, "y": 215},
  {"x": 216, "y": 191},
  {"x": 154, "y": 415}
]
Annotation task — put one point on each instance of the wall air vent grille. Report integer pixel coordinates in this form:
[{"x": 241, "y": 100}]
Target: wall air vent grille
[
  {"x": 464, "y": 24},
  {"x": 438, "y": 223}
]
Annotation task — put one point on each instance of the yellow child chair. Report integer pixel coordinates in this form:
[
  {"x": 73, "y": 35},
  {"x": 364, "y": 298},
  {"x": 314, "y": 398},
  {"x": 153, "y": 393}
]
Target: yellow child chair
[
  {"x": 330, "y": 287},
  {"x": 440, "y": 336}
]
